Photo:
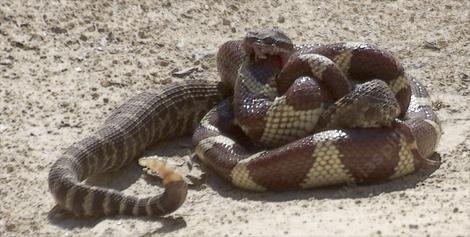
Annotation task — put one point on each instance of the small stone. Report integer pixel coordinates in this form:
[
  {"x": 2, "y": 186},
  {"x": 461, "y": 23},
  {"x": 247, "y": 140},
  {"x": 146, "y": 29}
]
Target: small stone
[
  {"x": 281, "y": 19},
  {"x": 83, "y": 56},
  {"x": 180, "y": 45},
  {"x": 165, "y": 81},
  {"x": 3, "y": 127},
  {"x": 142, "y": 35},
  {"x": 463, "y": 76},
  {"x": 10, "y": 169},
  {"x": 10, "y": 226},
  {"x": 70, "y": 42},
  {"x": 144, "y": 8},
  {"x": 183, "y": 72},
  {"x": 95, "y": 96},
  {"x": 455, "y": 210},
  {"x": 105, "y": 83},
  {"x": 58, "y": 69},
  {"x": 64, "y": 104},
  {"x": 418, "y": 65},
  {"x": 78, "y": 69},
  {"x": 6, "y": 62},
  {"x": 203, "y": 53},
  {"x": 58, "y": 30},
  {"x": 186, "y": 15},
  {"x": 105, "y": 100},
  {"x": 413, "y": 226},
  {"x": 225, "y": 22},
  {"x": 431, "y": 45},
  {"x": 24, "y": 46},
  {"x": 63, "y": 124},
  {"x": 91, "y": 28},
  {"x": 233, "y": 7},
  {"x": 83, "y": 37},
  {"x": 163, "y": 63}
]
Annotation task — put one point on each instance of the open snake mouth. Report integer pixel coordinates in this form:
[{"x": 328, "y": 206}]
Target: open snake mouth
[
  {"x": 267, "y": 45},
  {"x": 262, "y": 51}
]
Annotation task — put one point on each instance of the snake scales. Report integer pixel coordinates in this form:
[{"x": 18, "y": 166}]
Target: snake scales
[{"x": 304, "y": 101}]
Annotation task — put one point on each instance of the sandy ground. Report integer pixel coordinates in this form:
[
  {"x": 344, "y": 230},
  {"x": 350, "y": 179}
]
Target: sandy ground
[{"x": 64, "y": 65}]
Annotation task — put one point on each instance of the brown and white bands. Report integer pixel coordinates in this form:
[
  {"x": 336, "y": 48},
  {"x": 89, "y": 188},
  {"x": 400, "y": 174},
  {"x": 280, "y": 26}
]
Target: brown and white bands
[{"x": 327, "y": 157}]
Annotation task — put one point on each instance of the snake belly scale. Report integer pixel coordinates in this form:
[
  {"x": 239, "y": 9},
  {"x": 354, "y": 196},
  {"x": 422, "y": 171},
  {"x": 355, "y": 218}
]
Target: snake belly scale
[{"x": 313, "y": 88}]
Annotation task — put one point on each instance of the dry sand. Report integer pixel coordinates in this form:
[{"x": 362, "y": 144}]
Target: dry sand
[{"x": 64, "y": 65}]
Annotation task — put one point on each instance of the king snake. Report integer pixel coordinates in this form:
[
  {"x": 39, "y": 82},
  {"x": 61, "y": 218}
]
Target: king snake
[{"x": 283, "y": 117}]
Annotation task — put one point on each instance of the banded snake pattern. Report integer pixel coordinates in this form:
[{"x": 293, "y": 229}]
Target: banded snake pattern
[{"x": 282, "y": 117}]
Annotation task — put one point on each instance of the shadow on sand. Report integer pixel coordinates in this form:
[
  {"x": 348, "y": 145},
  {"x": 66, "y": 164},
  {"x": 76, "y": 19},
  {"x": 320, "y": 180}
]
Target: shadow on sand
[
  {"x": 413, "y": 180},
  {"x": 125, "y": 177},
  {"x": 62, "y": 219},
  {"x": 121, "y": 180}
]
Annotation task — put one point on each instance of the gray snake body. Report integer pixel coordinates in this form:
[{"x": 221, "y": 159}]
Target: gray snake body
[
  {"x": 332, "y": 155},
  {"x": 145, "y": 119}
]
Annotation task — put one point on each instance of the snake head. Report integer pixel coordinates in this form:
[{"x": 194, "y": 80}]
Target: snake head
[{"x": 268, "y": 43}]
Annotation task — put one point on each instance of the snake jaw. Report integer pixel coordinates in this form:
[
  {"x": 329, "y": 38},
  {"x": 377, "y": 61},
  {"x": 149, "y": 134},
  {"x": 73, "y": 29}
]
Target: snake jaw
[
  {"x": 262, "y": 51},
  {"x": 269, "y": 43},
  {"x": 258, "y": 52}
]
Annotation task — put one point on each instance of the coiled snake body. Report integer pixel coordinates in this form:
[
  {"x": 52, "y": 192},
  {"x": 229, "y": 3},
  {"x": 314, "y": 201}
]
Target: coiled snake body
[{"x": 283, "y": 117}]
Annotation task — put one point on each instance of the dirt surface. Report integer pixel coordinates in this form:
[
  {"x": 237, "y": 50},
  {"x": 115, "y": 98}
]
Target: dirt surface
[{"x": 64, "y": 65}]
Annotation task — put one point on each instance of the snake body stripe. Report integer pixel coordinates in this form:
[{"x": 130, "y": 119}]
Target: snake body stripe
[
  {"x": 123, "y": 136},
  {"x": 342, "y": 150},
  {"x": 327, "y": 158}
]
